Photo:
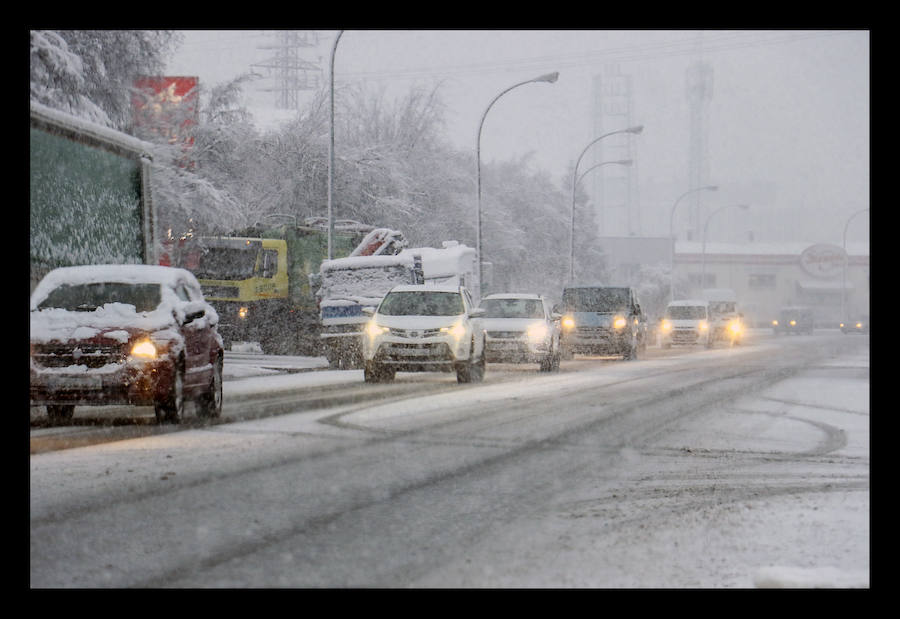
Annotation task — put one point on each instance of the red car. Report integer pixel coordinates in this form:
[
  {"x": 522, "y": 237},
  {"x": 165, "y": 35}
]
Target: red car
[{"x": 124, "y": 334}]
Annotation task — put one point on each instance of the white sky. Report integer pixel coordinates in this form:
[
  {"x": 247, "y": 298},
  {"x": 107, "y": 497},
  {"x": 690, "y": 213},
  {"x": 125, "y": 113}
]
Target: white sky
[{"x": 788, "y": 119}]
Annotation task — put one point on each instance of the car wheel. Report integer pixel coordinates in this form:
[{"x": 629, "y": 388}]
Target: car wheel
[
  {"x": 471, "y": 371},
  {"x": 60, "y": 414},
  {"x": 376, "y": 373},
  {"x": 210, "y": 403},
  {"x": 631, "y": 353},
  {"x": 546, "y": 363},
  {"x": 171, "y": 410}
]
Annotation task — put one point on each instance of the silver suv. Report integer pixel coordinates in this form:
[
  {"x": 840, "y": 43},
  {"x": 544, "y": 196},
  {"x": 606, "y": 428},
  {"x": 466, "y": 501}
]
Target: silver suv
[
  {"x": 424, "y": 328},
  {"x": 521, "y": 328}
]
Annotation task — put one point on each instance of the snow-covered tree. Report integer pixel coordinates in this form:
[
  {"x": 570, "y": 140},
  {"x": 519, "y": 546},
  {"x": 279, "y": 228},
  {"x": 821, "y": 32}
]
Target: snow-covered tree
[{"x": 89, "y": 73}]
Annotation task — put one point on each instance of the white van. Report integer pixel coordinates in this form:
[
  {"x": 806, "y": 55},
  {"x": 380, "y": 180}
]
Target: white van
[{"x": 686, "y": 323}]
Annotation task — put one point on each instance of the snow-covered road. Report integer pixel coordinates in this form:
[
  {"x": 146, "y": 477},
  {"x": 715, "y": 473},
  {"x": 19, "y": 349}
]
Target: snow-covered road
[{"x": 721, "y": 468}]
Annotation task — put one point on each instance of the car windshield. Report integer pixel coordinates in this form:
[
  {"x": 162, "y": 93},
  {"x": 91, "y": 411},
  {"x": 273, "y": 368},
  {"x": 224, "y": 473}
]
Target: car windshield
[
  {"x": 722, "y": 307},
  {"x": 422, "y": 303},
  {"x": 89, "y": 296},
  {"x": 596, "y": 299},
  {"x": 686, "y": 312},
  {"x": 512, "y": 308}
]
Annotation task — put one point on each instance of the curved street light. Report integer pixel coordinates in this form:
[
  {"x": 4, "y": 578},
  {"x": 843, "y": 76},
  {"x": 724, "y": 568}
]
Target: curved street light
[
  {"x": 331, "y": 149},
  {"x": 846, "y": 259},
  {"x": 672, "y": 233},
  {"x": 705, "y": 228},
  {"x": 575, "y": 178},
  {"x": 550, "y": 78},
  {"x": 624, "y": 162}
]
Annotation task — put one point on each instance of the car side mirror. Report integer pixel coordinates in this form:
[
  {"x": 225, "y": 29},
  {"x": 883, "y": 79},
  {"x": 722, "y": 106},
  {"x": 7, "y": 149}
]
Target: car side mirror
[
  {"x": 477, "y": 312},
  {"x": 191, "y": 317},
  {"x": 368, "y": 310}
]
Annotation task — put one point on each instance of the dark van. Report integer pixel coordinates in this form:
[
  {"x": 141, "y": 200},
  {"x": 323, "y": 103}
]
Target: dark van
[
  {"x": 793, "y": 320},
  {"x": 602, "y": 320}
]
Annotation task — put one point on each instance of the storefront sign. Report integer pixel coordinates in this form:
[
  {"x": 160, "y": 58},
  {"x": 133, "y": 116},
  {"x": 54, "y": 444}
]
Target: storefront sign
[{"x": 823, "y": 260}]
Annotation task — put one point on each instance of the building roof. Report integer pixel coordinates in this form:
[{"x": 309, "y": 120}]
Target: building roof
[{"x": 760, "y": 249}]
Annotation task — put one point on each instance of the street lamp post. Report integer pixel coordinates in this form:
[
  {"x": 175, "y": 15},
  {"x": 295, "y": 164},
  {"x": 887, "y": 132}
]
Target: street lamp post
[
  {"x": 624, "y": 162},
  {"x": 549, "y": 77},
  {"x": 331, "y": 150},
  {"x": 575, "y": 179},
  {"x": 844, "y": 275},
  {"x": 705, "y": 228},
  {"x": 672, "y": 234}
]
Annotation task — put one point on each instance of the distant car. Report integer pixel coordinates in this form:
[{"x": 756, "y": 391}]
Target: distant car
[
  {"x": 860, "y": 325},
  {"x": 124, "y": 334},
  {"x": 686, "y": 323},
  {"x": 793, "y": 320},
  {"x": 424, "y": 328},
  {"x": 521, "y": 328}
]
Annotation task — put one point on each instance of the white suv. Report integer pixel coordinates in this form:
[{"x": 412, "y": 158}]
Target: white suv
[
  {"x": 424, "y": 328},
  {"x": 521, "y": 328}
]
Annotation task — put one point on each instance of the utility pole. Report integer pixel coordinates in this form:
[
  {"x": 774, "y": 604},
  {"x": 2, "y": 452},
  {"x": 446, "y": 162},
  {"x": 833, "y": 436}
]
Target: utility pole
[
  {"x": 290, "y": 72},
  {"x": 699, "y": 88}
]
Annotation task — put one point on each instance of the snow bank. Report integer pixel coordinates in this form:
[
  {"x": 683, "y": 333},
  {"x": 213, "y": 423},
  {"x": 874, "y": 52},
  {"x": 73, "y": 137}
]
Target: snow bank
[{"x": 786, "y": 577}]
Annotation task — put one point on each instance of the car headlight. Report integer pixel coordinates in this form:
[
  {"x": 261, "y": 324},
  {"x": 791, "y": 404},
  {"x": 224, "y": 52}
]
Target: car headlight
[
  {"x": 666, "y": 325},
  {"x": 457, "y": 330},
  {"x": 373, "y": 329},
  {"x": 619, "y": 322},
  {"x": 734, "y": 326},
  {"x": 538, "y": 332},
  {"x": 793, "y": 323},
  {"x": 842, "y": 325},
  {"x": 859, "y": 325},
  {"x": 568, "y": 323},
  {"x": 774, "y": 323},
  {"x": 144, "y": 349},
  {"x": 703, "y": 325},
  {"x": 243, "y": 312}
]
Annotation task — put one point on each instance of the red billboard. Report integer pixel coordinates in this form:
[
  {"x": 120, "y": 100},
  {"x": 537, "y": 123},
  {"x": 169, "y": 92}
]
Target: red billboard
[{"x": 166, "y": 107}]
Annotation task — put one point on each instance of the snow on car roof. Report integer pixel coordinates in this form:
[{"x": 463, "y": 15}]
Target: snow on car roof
[
  {"x": 690, "y": 302},
  {"x": 425, "y": 287},
  {"x": 123, "y": 273},
  {"x": 512, "y": 295}
]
